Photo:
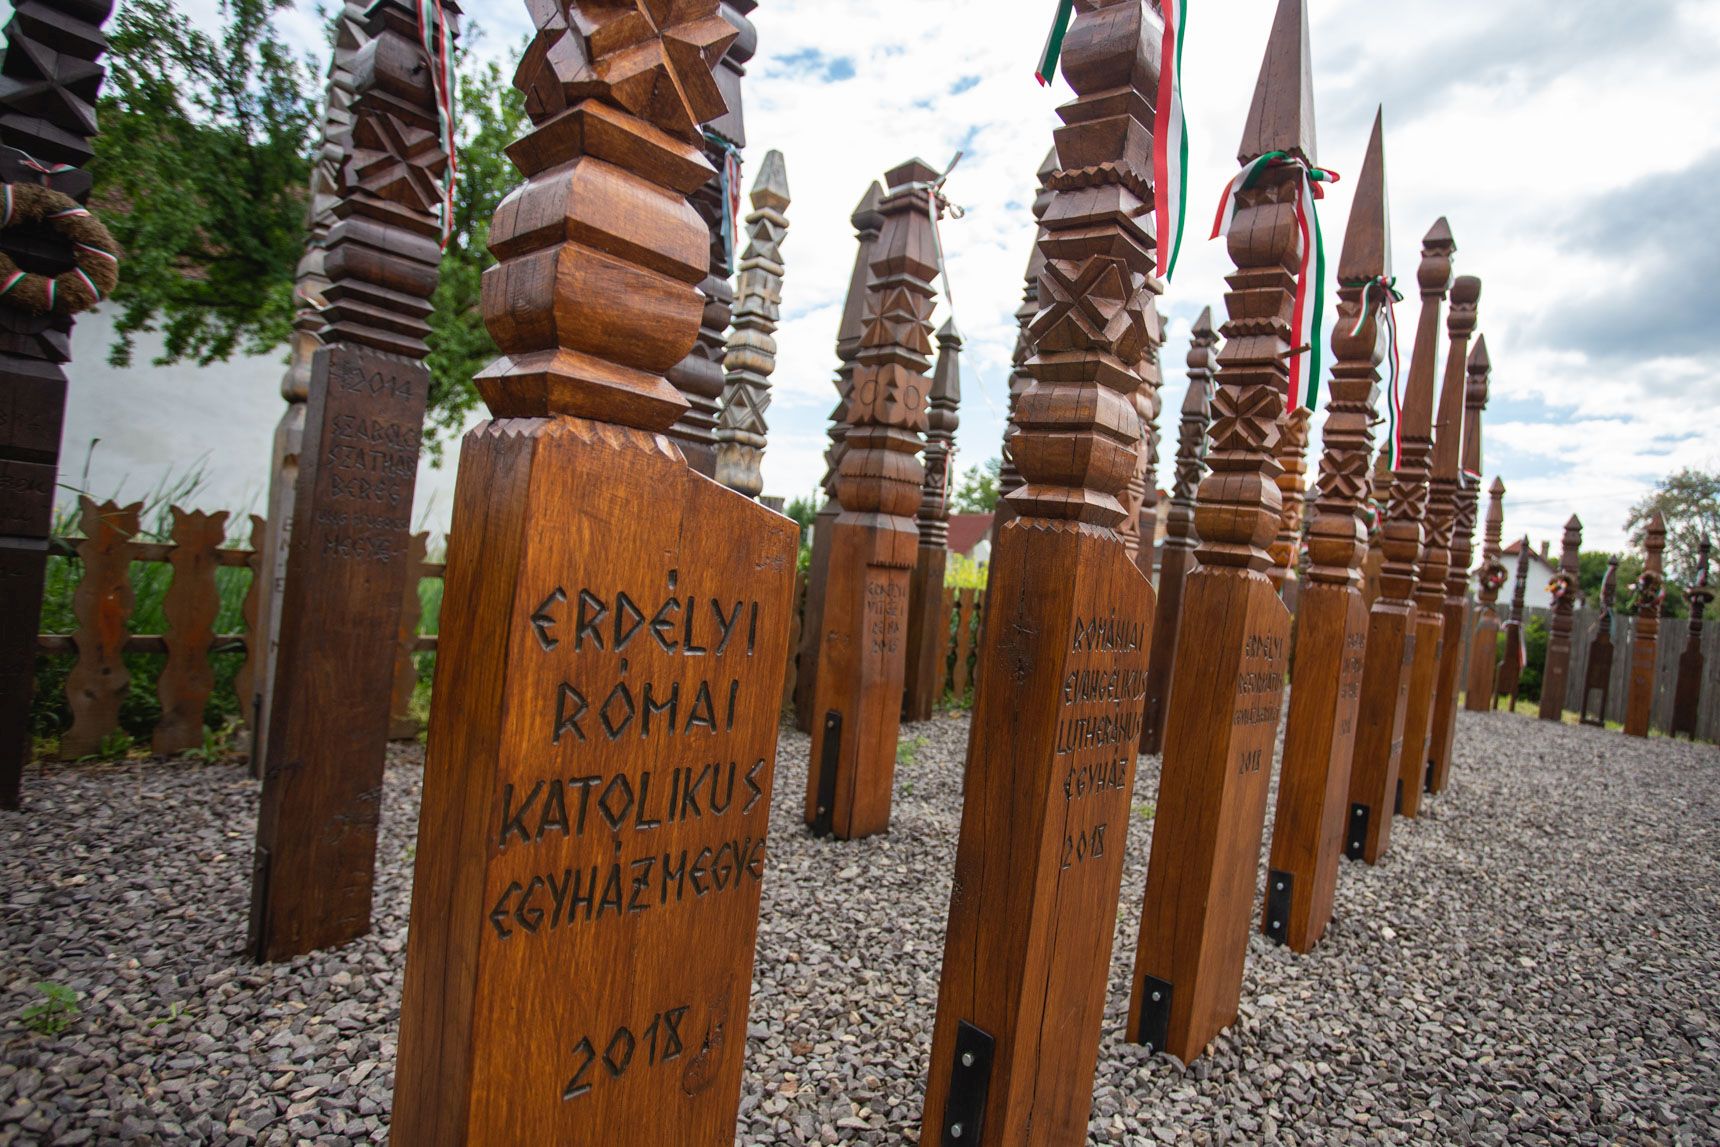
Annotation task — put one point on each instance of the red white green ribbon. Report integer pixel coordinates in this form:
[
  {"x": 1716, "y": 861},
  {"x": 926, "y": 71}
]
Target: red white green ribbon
[
  {"x": 437, "y": 38},
  {"x": 1054, "y": 42},
  {"x": 935, "y": 199},
  {"x": 1389, "y": 297},
  {"x": 1306, "y": 319},
  {"x": 1170, "y": 142},
  {"x": 730, "y": 193}
]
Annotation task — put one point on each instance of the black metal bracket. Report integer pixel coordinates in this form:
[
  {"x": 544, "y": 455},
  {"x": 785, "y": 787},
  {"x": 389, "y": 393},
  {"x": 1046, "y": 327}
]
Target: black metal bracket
[
  {"x": 1155, "y": 1014},
  {"x": 970, "y": 1083},
  {"x": 824, "y": 822},
  {"x": 1278, "y": 888},
  {"x": 1397, "y": 801},
  {"x": 1427, "y": 778},
  {"x": 1356, "y": 832}
]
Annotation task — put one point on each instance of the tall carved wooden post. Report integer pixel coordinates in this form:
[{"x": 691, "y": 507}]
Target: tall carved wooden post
[
  {"x": 867, "y": 223},
  {"x": 1382, "y": 729},
  {"x": 310, "y": 286},
  {"x": 598, "y": 776},
  {"x": 1597, "y": 678},
  {"x": 1452, "y": 502},
  {"x": 1228, "y": 687},
  {"x": 1051, "y": 751},
  {"x": 1489, "y": 580},
  {"x": 50, "y": 76},
  {"x": 1379, "y": 491},
  {"x": 1287, "y": 545},
  {"x": 862, "y": 658},
  {"x": 1180, "y": 535},
  {"x": 1648, "y": 593},
  {"x": 699, "y": 376},
  {"x": 1008, "y": 477},
  {"x": 751, "y": 353},
  {"x": 1149, "y": 402},
  {"x": 346, "y": 569},
  {"x": 928, "y": 620},
  {"x": 1326, "y": 683},
  {"x": 1688, "y": 699},
  {"x": 1555, "y": 678},
  {"x": 1511, "y": 664}
]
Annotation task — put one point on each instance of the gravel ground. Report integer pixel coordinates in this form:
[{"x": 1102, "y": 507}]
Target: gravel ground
[{"x": 1538, "y": 961}]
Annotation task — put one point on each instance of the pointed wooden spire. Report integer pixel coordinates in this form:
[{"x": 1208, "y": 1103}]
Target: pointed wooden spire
[
  {"x": 1367, "y": 252},
  {"x": 750, "y": 356},
  {"x": 1281, "y": 118}
]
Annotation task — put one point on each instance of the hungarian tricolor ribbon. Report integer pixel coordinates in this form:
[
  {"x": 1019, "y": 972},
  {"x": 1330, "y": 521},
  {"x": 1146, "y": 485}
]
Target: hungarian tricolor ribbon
[
  {"x": 1389, "y": 297},
  {"x": 1170, "y": 142},
  {"x": 1054, "y": 42},
  {"x": 1310, "y": 308},
  {"x": 935, "y": 198},
  {"x": 730, "y": 193},
  {"x": 437, "y": 38}
]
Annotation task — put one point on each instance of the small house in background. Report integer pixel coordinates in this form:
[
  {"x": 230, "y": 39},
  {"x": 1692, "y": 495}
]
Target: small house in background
[
  {"x": 1543, "y": 564},
  {"x": 970, "y": 536}
]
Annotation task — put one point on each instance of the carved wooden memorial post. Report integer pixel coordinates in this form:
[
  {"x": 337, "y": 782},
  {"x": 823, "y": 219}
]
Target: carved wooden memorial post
[
  {"x": 1050, "y": 764},
  {"x": 1686, "y": 701},
  {"x": 1008, "y": 477},
  {"x": 1228, "y": 687},
  {"x": 597, "y": 782},
  {"x": 49, "y": 79},
  {"x": 1326, "y": 682},
  {"x": 1382, "y": 728},
  {"x": 751, "y": 354},
  {"x": 1180, "y": 537},
  {"x": 346, "y": 567},
  {"x": 1511, "y": 664},
  {"x": 1648, "y": 593},
  {"x": 1555, "y": 677},
  {"x": 928, "y": 619},
  {"x": 1457, "y": 453},
  {"x": 1597, "y": 677},
  {"x": 1379, "y": 492},
  {"x": 1287, "y": 545},
  {"x": 1489, "y": 579},
  {"x": 867, "y": 223},
  {"x": 857, "y": 707}
]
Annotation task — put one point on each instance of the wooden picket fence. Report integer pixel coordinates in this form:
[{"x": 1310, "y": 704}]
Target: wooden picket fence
[{"x": 103, "y": 604}]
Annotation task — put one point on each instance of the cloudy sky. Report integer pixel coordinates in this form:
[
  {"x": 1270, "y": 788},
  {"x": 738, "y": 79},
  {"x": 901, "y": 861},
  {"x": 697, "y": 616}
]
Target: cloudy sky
[{"x": 1570, "y": 143}]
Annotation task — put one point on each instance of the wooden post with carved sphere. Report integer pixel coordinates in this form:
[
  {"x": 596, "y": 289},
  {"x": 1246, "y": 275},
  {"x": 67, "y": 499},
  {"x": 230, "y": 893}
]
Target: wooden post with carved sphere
[
  {"x": 1687, "y": 700},
  {"x": 1490, "y": 578},
  {"x": 928, "y": 620},
  {"x": 346, "y": 566},
  {"x": 1555, "y": 677},
  {"x": 1381, "y": 731},
  {"x": 598, "y": 775},
  {"x": 1228, "y": 687},
  {"x": 50, "y": 76},
  {"x": 857, "y": 706},
  {"x": 1597, "y": 678},
  {"x": 1332, "y": 622},
  {"x": 1511, "y": 664},
  {"x": 1051, "y": 749},
  {"x": 867, "y": 223},
  {"x": 1180, "y": 536},
  {"x": 1008, "y": 477},
  {"x": 750, "y": 356},
  {"x": 1648, "y": 595}
]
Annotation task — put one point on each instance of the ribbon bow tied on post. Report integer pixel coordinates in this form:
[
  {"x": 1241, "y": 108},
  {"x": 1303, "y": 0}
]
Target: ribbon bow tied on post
[
  {"x": 437, "y": 38},
  {"x": 1310, "y": 307},
  {"x": 730, "y": 192},
  {"x": 1390, "y": 296}
]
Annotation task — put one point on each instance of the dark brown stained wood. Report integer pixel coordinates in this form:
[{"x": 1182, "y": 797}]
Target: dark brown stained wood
[
  {"x": 245, "y": 683},
  {"x": 346, "y": 567},
  {"x": 1008, "y": 477},
  {"x": 967, "y": 628},
  {"x": 1555, "y": 677},
  {"x": 402, "y": 725},
  {"x": 1149, "y": 403},
  {"x": 1227, "y": 687},
  {"x": 927, "y": 623},
  {"x": 867, "y": 223},
  {"x": 857, "y": 703},
  {"x": 50, "y": 75},
  {"x": 1597, "y": 674},
  {"x": 599, "y": 765},
  {"x": 102, "y": 603},
  {"x": 1460, "y": 539},
  {"x": 699, "y": 376},
  {"x": 1489, "y": 579},
  {"x": 796, "y": 612},
  {"x": 190, "y": 606},
  {"x": 1394, "y": 632},
  {"x": 1687, "y": 698},
  {"x": 750, "y": 356},
  {"x": 1180, "y": 537},
  {"x": 1332, "y": 621},
  {"x": 1511, "y": 663},
  {"x": 952, "y": 600},
  {"x": 1379, "y": 488},
  {"x": 1647, "y": 596},
  {"x": 1287, "y": 546},
  {"x": 1063, "y": 648},
  {"x": 310, "y": 286}
]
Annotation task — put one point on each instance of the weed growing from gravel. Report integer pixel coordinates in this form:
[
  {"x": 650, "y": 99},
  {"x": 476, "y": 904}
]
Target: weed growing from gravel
[
  {"x": 908, "y": 748},
  {"x": 54, "y": 1012}
]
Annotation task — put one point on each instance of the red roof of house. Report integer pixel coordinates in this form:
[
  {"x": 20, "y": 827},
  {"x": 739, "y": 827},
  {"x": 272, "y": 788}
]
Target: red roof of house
[{"x": 968, "y": 531}]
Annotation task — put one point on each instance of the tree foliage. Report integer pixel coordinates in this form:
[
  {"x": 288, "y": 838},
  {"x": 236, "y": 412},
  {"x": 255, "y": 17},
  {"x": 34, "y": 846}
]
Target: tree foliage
[
  {"x": 976, "y": 492},
  {"x": 1689, "y": 501}
]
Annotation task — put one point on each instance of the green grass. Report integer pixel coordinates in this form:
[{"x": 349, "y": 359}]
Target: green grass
[{"x": 54, "y": 1012}]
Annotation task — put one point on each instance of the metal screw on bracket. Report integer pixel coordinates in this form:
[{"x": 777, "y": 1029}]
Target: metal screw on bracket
[
  {"x": 955, "y": 1131},
  {"x": 967, "y": 1061}
]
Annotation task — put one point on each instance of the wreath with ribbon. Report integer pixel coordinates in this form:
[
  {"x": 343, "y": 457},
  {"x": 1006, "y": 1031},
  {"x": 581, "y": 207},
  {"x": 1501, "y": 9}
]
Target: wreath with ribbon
[
  {"x": 95, "y": 255},
  {"x": 1494, "y": 575},
  {"x": 1561, "y": 587},
  {"x": 1649, "y": 590}
]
